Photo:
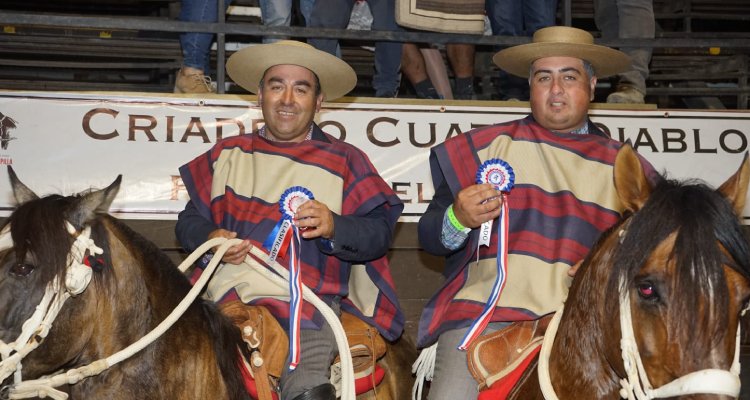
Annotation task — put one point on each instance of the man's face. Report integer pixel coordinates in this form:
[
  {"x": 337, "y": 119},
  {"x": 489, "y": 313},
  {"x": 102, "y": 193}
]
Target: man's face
[
  {"x": 289, "y": 102},
  {"x": 560, "y": 93}
]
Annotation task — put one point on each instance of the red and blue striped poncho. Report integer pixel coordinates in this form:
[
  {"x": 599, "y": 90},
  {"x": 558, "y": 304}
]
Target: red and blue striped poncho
[
  {"x": 237, "y": 185},
  {"x": 563, "y": 199}
]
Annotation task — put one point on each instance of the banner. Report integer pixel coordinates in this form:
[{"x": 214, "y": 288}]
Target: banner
[{"x": 67, "y": 143}]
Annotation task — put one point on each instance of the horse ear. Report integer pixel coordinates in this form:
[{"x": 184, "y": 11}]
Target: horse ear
[
  {"x": 735, "y": 188},
  {"x": 21, "y": 192},
  {"x": 95, "y": 202},
  {"x": 631, "y": 183}
]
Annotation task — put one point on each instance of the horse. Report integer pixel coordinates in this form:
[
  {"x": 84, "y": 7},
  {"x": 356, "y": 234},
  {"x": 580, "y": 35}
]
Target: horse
[
  {"x": 675, "y": 273},
  {"x": 133, "y": 286},
  {"x": 127, "y": 288}
]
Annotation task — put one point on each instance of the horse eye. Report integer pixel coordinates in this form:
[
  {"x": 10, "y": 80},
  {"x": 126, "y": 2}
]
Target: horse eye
[
  {"x": 21, "y": 269},
  {"x": 647, "y": 291}
]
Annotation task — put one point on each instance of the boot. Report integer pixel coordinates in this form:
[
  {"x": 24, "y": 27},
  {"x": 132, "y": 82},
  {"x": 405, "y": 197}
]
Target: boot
[
  {"x": 192, "y": 80},
  {"x": 626, "y": 94},
  {"x": 325, "y": 391}
]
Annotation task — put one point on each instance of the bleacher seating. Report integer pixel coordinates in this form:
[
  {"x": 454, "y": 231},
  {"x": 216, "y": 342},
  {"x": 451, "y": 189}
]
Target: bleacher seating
[{"x": 67, "y": 58}]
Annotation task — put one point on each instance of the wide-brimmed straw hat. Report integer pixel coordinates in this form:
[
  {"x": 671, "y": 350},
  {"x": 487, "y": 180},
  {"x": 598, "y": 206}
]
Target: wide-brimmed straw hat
[
  {"x": 562, "y": 41},
  {"x": 247, "y": 66}
]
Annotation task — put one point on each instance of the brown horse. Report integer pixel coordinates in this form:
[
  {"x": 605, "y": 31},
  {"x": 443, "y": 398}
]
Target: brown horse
[
  {"x": 133, "y": 287},
  {"x": 681, "y": 265}
]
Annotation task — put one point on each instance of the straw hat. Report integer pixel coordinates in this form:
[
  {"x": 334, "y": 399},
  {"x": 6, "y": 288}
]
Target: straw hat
[
  {"x": 247, "y": 66},
  {"x": 562, "y": 41}
]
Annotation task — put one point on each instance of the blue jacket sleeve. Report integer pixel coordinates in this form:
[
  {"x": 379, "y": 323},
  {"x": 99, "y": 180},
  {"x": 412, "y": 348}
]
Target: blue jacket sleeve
[
  {"x": 359, "y": 239},
  {"x": 192, "y": 228},
  {"x": 430, "y": 225}
]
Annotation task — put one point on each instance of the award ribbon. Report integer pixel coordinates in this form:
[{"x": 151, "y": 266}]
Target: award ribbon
[
  {"x": 277, "y": 243},
  {"x": 501, "y": 175}
]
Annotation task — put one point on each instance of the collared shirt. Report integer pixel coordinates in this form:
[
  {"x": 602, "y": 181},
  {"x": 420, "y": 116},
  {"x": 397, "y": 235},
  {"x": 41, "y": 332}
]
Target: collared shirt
[{"x": 450, "y": 236}]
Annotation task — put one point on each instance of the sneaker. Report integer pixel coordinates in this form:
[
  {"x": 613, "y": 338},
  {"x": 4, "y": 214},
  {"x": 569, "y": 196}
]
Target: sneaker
[
  {"x": 464, "y": 93},
  {"x": 190, "y": 80},
  {"x": 626, "y": 95}
]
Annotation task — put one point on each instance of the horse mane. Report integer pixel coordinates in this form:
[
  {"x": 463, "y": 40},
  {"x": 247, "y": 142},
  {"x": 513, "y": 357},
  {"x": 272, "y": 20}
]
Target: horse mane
[
  {"x": 38, "y": 231},
  {"x": 700, "y": 217}
]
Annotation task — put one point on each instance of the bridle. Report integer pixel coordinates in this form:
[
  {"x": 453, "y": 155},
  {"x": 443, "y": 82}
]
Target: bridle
[
  {"x": 636, "y": 385},
  {"x": 36, "y": 328},
  {"x": 78, "y": 276}
]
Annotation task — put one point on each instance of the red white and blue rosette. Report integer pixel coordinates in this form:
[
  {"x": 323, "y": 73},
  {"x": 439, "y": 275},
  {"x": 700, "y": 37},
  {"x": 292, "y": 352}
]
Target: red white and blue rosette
[
  {"x": 500, "y": 174},
  {"x": 497, "y": 172},
  {"x": 277, "y": 243}
]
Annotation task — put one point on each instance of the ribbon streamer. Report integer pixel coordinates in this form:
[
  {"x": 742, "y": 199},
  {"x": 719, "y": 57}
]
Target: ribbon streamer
[
  {"x": 501, "y": 175},
  {"x": 285, "y": 235}
]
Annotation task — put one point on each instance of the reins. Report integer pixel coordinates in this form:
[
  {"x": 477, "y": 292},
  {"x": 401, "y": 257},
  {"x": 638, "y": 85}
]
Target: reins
[{"x": 36, "y": 328}]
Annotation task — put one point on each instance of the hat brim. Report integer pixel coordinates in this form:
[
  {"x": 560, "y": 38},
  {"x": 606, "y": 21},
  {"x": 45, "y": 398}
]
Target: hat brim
[
  {"x": 247, "y": 66},
  {"x": 606, "y": 61}
]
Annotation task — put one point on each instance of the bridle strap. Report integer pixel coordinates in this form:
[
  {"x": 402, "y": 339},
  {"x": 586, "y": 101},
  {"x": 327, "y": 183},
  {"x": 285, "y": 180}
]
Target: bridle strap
[
  {"x": 44, "y": 387},
  {"x": 637, "y": 385},
  {"x": 545, "y": 382}
]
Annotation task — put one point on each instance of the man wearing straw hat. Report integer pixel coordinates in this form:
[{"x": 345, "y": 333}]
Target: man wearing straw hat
[
  {"x": 516, "y": 205},
  {"x": 247, "y": 186}
]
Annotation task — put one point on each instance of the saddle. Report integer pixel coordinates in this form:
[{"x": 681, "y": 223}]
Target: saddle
[
  {"x": 496, "y": 355},
  {"x": 268, "y": 344}
]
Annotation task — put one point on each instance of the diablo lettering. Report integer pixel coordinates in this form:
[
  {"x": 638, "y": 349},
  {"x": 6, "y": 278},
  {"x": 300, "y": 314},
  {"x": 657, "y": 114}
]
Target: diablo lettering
[{"x": 676, "y": 140}]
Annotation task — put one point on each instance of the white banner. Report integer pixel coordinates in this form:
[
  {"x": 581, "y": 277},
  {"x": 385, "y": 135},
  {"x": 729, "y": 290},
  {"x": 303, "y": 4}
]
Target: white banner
[{"x": 66, "y": 143}]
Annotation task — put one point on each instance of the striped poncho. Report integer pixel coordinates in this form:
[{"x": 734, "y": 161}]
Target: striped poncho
[
  {"x": 563, "y": 199},
  {"x": 237, "y": 185}
]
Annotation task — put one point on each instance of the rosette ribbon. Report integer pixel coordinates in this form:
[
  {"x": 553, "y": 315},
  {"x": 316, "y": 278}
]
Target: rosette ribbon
[
  {"x": 501, "y": 175},
  {"x": 285, "y": 235}
]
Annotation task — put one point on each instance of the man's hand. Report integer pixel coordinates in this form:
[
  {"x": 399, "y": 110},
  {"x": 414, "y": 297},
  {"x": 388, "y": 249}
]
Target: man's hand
[
  {"x": 477, "y": 204},
  {"x": 572, "y": 271},
  {"x": 314, "y": 220},
  {"x": 235, "y": 254}
]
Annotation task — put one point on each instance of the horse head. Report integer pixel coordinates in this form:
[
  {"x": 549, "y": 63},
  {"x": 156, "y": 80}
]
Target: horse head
[
  {"x": 676, "y": 270},
  {"x": 46, "y": 246}
]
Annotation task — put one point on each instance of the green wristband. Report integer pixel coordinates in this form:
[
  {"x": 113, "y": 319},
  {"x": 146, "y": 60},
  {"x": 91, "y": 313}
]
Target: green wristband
[{"x": 455, "y": 222}]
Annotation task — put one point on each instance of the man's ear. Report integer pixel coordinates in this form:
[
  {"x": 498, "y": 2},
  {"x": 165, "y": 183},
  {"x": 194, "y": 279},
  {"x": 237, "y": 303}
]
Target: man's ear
[
  {"x": 592, "y": 82},
  {"x": 318, "y": 102}
]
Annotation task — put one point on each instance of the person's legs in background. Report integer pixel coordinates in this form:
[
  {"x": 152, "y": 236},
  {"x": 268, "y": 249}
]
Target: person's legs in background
[
  {"x": 329, "y": 14},
  {"x": 461, "y": 57},
  {"x": 275, "y": 13},
  {"x": 196, "y": 48},
  {"x": 506, "y": 19},
  {"x": 414, "y": 69},
  {"x": 387, "y": 76},
  {"x": 538, "y": 14},
  {"x": 628, "y": 19}
]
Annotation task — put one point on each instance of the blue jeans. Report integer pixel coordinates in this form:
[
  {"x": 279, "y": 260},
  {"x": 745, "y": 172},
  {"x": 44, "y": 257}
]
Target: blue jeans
[
  {"x": 626, "y": 19},
  {"x": 336, "y": 13},
  {"x": 196, "y": 46},
  {"x": 518, "y": 18},
  {"x": 279, "y": 13}
]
